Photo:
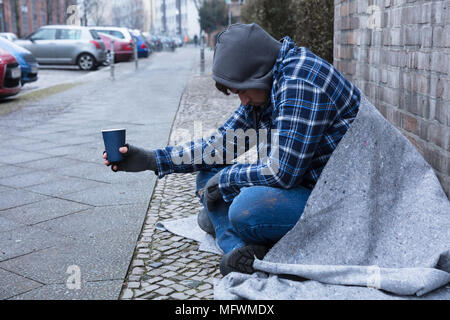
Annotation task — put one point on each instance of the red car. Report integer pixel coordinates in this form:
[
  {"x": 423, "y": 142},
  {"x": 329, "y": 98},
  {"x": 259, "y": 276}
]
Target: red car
[
  {"x": 10, "y": 74},
  {"x": 123, "y": 50}
]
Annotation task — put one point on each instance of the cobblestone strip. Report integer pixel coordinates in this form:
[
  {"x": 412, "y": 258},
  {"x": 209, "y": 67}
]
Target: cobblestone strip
[{"x": 166, "y": 266}]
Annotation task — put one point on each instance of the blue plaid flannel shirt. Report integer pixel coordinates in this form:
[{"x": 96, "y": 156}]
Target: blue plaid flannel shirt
[{"x": 311, "y": 108}]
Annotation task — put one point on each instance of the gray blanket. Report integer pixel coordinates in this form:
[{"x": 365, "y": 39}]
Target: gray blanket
[{"x": 376, "y": 226}]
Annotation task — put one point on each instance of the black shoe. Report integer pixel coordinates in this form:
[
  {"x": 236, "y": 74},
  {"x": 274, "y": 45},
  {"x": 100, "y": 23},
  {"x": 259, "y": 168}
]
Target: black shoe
[
  {"x": 241, "y": 259},
  {"x": 205, "y": 223}
]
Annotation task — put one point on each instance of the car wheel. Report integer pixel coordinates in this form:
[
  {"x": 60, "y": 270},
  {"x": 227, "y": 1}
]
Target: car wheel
[
  {"x": 87, "y": 62},
  {"x": 107, "y": 62}
]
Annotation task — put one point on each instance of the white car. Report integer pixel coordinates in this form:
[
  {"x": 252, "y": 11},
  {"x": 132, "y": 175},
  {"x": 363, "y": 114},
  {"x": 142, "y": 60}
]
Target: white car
[
  {"x": 8, "y": 36},
  {"x": 121, "y": 33}
]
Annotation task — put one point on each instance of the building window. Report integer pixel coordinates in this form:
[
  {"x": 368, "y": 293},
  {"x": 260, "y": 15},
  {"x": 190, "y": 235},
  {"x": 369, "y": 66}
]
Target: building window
[
  {"x": 58, "y": 12},
  {"x": 43, "y": 15},
  {"x": 35, "y": 15},
  {"x": 24, "y": 13},
  {"x": 14, "y": 17}
]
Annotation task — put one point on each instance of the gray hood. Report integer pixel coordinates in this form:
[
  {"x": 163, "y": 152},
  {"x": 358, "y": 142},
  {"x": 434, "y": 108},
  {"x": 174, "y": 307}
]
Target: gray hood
[{"x": 244, "y": 57}]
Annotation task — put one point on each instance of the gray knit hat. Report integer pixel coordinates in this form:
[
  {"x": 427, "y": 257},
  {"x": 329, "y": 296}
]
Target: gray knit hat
[{"x": 244, "y": 57}]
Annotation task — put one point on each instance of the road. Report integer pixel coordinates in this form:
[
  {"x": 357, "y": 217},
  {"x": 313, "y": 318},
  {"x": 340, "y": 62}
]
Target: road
[{"x": 65, "y": 218}]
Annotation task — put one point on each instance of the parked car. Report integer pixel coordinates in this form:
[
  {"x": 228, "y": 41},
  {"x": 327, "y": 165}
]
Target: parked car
[
  {"x": 123, "y": 50},
  {"x": 60, "y": 44},
  {"x": 168, "y": 43},
  {"x": 8, "y": 36},
  {"x": 178, "y": 41},
  {"x": 28, "y": 63},
  {"x": 9, "y": 75},
  {"x": 155, "y": 42},
  {"x": 142, "y": 47},
  {"x": 121, "y": 33}
]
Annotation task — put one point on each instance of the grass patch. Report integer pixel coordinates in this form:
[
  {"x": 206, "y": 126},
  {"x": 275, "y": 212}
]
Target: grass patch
[{"x": 12, "y": 104}]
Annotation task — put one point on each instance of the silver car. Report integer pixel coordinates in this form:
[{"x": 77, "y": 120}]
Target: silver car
[{"x": 60, "y": 44}]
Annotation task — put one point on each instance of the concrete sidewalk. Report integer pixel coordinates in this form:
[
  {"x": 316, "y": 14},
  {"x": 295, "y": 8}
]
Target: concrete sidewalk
[
  {"x": 166, "y": 266},
  {"x": 64, "y": 216}
]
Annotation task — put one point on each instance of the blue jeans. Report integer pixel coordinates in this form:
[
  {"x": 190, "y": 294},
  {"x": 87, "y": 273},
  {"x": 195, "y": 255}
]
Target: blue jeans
[{"x": 258, "y": 215}]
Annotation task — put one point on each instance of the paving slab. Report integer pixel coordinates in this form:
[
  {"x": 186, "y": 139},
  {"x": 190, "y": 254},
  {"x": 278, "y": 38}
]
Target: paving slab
[
  {"x": 95, "y": 222},
  {"x": 35, "y": 177},
  {"x": 12, "y": 284},
  {"x": 5, "y": 188},
  {"x": 17, "y": 156},
  {"x": 10, "y": 171},
  {"x": 64, "y": 186},
  {"x": 49, "y": 163},
  {"x": 15, "y": 198},
  {"x": 108, "y": 195},
  {"x": 7, "y": 225},
  {"x": 105, "y": 257},
  {"x": 22, "y": 241},
  {"x": 96, "y": 290},
  {"x": 65, "y": 150},
  {"x": 41, "y": 211},
  {"x": 93, "y": 171}
]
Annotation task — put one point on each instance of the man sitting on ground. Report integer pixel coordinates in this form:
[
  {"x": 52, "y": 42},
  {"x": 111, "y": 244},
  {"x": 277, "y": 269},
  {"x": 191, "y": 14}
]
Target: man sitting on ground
[{"x": 305, "y": 105}]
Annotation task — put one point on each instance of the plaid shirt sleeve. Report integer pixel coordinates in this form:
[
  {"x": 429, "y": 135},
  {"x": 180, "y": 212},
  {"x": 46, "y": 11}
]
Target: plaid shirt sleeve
[
  {"x": 204, "y": 154},
  {"x": 302, "y": 114}
]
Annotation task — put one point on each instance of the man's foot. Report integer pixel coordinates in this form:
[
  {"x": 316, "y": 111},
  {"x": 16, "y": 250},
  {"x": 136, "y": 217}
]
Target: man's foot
[
  {"x": 205, "y": 223},
  {"x": 241, "y": 259}
]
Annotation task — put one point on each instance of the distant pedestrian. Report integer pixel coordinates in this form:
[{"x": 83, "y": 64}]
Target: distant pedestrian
[
  {"x": 196, "y": 40},
  {"x": 304, "y": 105}
]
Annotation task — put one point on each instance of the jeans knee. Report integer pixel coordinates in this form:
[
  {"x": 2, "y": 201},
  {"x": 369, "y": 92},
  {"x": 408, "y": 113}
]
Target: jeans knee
[
  {"x": 243, "y": 213},
  {"x": 239, "y": 217}
]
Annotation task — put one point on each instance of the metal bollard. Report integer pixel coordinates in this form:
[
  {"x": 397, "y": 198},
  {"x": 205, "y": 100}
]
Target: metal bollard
[
  {"x": 135, "y": 53},
  {"x": 111, "y": 63},
  {"x": 202, "y": 58}
]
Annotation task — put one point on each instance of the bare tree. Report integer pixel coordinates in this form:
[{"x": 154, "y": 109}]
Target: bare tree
[
  {"x": 97, "y": 12},
  {"x": 92, "y": 9},
  {"x": 198, "y": 4},
  {"x": 117, "y": 15},
  {"x": 132, "y": 14}
]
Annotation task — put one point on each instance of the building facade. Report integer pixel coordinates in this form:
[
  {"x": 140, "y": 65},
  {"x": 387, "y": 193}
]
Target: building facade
[
  {"x": 398, "y": 54},
  {"x": 234, "y": 10},
  {"x": 176, "y": 17},
  {"x": 23, "y": 17}
]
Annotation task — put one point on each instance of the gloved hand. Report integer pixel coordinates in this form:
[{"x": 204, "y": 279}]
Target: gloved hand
[
  {"x": 212, "y": 195},
  {"x": 135, "y": 160}
]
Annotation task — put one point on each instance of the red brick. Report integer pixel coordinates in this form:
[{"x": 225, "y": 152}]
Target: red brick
[
  {"x": 442, "y": 112},
  {"x": 344, "y": 9},
  {"x": 410, "y": 123},
  {"x": 418, "y": 144},
  {"x": 436, "y": 158},
  {"x": 439, "y": 135}
]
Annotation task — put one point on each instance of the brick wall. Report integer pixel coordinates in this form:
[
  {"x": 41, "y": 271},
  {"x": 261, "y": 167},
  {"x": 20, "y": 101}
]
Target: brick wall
[
  {"x": 398, "y": 53},
  {"x": 33, "y": 18}
]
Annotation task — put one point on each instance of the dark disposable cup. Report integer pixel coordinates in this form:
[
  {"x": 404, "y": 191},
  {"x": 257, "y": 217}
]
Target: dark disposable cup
[{"x": 114, "y": 139}]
